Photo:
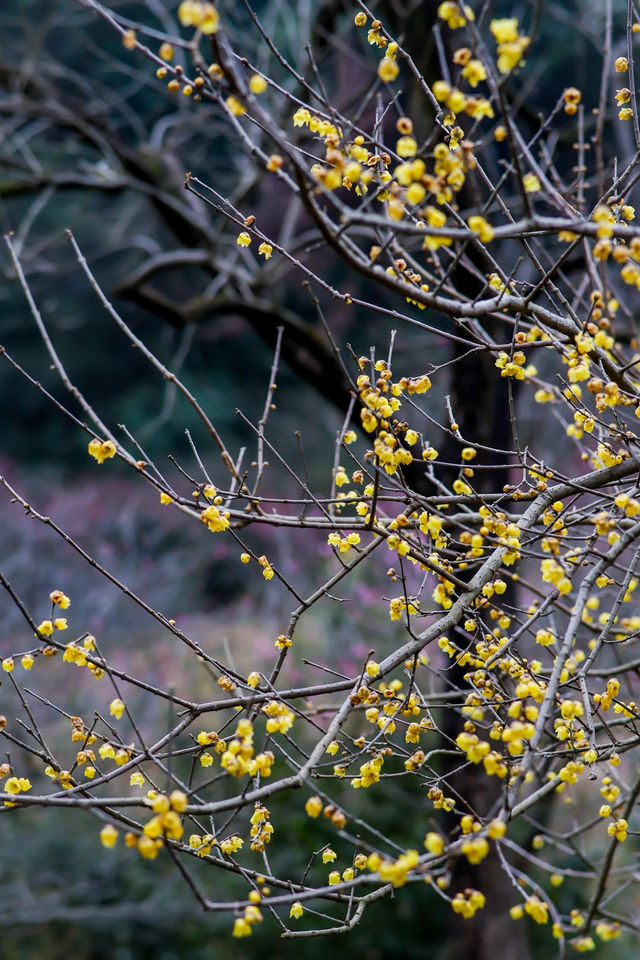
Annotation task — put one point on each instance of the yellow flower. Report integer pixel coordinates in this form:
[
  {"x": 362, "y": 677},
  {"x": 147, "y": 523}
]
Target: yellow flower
[
  {"x": 434, "y": 843},
  {"x": 537, "y": 909},
  {"x": 116, "y": 708},
  {"x": 460, "y": 487},
  {"x": 241, "y": 928},
  {"x": 209, "y": 20},
  {"x": 296, "y": 908},
  {"x": 531, "y": 183},
  {"x": 59, "y": 598},
  {"x": 243, "y": 239},
  {"x": 474, "y": 71},
  {"x": 313, "y": 807},
  {"x": 480, "y": 226},
  {"x": 388, "y": 69},
  {"x": 406, "y": 147},
  {"x": 504, "y": 30},
  {"x": 257, "y": 84},
  {"x": 160, "y": 803},
  {"x": 265, "y": 249},
  {"x": 149, "y": 848},
  {"x": 235, "y": 106},
  {"x": 178, "y": 801},
  {"x": 101, "y": 450},
  {"x": 108, "y": 836},
  {"x": 497, "y": 829}
]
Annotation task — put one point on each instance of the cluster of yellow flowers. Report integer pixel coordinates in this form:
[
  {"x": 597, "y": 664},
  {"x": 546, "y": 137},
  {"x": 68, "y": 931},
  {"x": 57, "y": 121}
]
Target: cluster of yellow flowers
[
  {"x": 243, "y": 926},
  {"x": 78, "y": 655},
  {"x": 238, "y": 757},
  {"x": 398, "y": 605},
  {"x": 261, "y": 828},
  {"x": 468, "y": 903},
  {"x": 454, "y": 14},
  {"x": 121, "y": 755},
  {"x": 280, "y": 717},
  {"x": 396, "y": 872},
  {"x": 379, "y": 403},
  {"x": 511, "y": 366},
  {"x": 458, "y": 102},
  {"x": 511, "y": 44},
  {"x": 215, "y": 519},
  {"x": 14, "y": 786},
  {"x": 343, "y": 544},
  {"x": 204, "y": 16}
]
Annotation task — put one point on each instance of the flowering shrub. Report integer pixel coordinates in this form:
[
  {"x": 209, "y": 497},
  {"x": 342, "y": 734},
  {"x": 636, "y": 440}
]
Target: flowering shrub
[{"x": 505, "y": 686}]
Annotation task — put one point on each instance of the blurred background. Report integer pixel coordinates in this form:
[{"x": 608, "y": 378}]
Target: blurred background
[{"x": 90, "y": 140}]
